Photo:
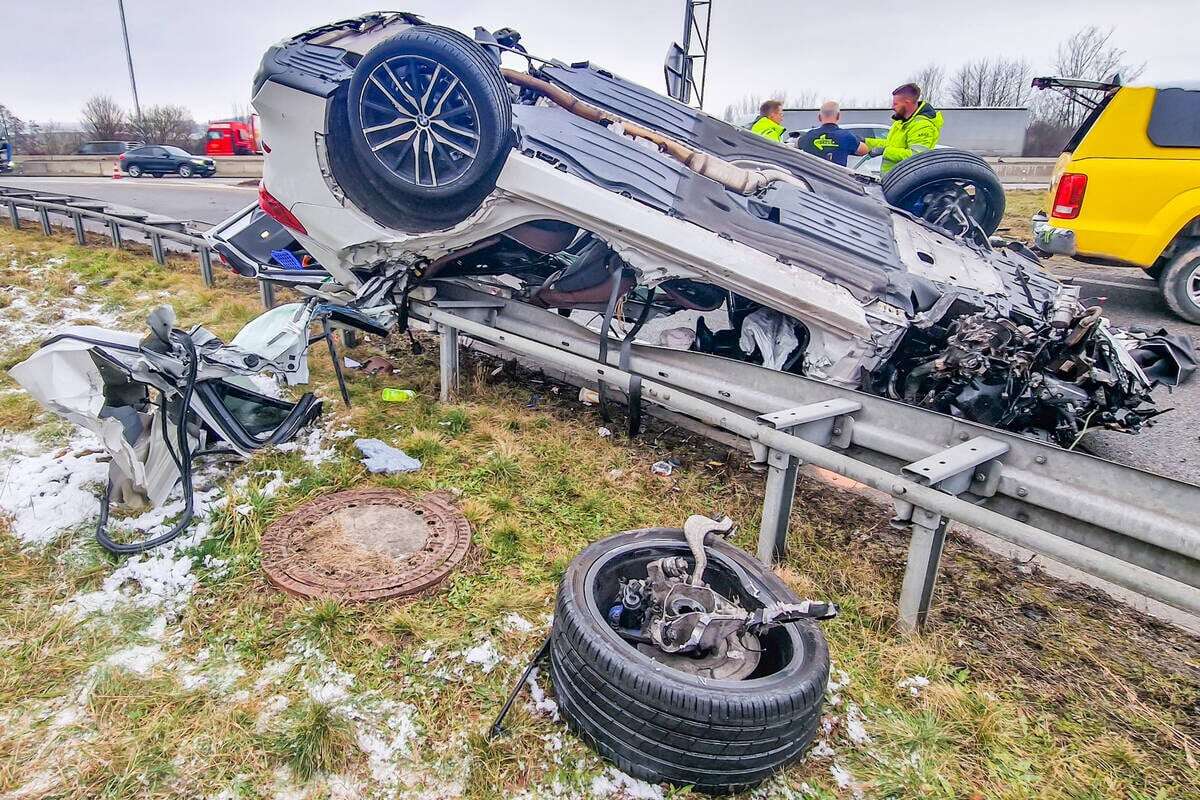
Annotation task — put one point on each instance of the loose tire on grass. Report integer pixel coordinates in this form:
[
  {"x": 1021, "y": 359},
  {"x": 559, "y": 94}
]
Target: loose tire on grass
[
  {"x": 661, "y": 724},
  {"x": 938, "y": 170},
  {"x": 1179, "y": 284},
  {"x": 427, "y": 117}
]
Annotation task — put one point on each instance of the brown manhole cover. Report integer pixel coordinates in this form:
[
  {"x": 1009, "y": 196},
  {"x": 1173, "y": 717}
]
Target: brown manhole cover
[{"x": 366, "y": 544}]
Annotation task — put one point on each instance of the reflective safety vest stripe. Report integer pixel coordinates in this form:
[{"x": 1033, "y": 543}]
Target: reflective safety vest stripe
[{"x": 764, "y": 126}]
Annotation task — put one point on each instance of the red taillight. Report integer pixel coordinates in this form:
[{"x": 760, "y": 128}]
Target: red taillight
[
  {"x": 266, "y": 147},
  {"x": 1069, "y": 197},
  {"x": 122, "y": 157},
  {"x": 277, "y": 210}
]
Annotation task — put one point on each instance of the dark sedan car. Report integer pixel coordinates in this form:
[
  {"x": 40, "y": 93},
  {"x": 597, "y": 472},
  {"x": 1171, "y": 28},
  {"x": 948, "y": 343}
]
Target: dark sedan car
[{"x": 160, "y": 159}]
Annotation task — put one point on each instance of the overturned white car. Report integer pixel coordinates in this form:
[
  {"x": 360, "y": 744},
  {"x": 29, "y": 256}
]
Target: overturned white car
[{"x": 402, "y": 154}]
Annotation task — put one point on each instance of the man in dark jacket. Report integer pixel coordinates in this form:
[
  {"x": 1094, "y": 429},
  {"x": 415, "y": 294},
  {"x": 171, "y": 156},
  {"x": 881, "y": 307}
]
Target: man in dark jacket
[{"x": 829, "y": 140}]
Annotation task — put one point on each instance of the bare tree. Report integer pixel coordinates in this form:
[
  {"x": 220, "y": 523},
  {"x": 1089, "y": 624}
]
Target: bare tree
[
  {"x": 1086, "y": 55},
  {"x": 103, "y": 118},
  {"x": 991, "y": 82},
  {"x": 750, "y": 103},
  {"x": 166, "y": 124},
  {"x": 930, "y": 78}
]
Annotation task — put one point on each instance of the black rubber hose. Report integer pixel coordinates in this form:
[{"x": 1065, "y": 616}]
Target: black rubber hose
[{"x": 183, "y": 461}]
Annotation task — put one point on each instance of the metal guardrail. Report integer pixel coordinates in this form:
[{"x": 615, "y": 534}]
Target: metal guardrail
[
  {"x": 1124, "y": 525},
  {"x": 78, "y": 209}
]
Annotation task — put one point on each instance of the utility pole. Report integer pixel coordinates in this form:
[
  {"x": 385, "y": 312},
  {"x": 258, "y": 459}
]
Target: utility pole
[{"x": 137, "y": 107}]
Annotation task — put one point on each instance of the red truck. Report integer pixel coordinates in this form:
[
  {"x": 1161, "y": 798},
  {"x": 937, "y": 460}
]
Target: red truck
[{"x": 232, "y": 138}]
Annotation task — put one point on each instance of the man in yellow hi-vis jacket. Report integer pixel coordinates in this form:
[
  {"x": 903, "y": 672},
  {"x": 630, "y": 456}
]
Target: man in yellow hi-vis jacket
[
  {"x": 770, "y": 120},
  {"x": 917, "y": 128}
]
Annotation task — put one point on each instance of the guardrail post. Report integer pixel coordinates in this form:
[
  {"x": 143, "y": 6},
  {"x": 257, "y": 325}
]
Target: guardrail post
[
  {"x": 827, "y": 423},
  {"x": 449, "y": 363},
  {"x": 971, "y": 466},
  {"x": 14, "y": 215},
  {"x": 156, "y": 247},
  {"x": 267, "y": 292},
  {"x": 778, "y": 495},
  {"x": 114, "y": 231},
  {"x": 206, "y": 273},
  {"x": 924, "y": 560},
  {"x": 44, "y": 218},
  {"x": 77, "y": 223}
]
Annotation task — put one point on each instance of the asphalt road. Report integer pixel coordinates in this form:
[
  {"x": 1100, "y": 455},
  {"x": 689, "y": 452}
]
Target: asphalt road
[
  {"x": 1170, "y": 447},
  {"x": 206, "y": 200}
]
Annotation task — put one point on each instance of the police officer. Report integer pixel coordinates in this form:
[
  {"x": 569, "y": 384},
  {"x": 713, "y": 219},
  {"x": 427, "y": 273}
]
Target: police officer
[
  {"x": 829, "y": 140},
  {"x": 770, "y": 120}
]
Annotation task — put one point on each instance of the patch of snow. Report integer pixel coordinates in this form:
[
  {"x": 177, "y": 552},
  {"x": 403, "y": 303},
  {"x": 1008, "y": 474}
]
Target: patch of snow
[
  {"x": 308, "y": 445},
  {"x": 385, "y": 731},
  {"x": 914, "y": 684},
  {"x": 614, "y": 783},
  {"x": 139, "y": 659},
  {"x": 515, "y": 623},
  {"x": 484, "y": 655},
  {"x": 162, "y": 578},
  {"x": 855, "y": 728},
  {"x": 24, "y": 318},
  {"x": 272, "y": 707},
  {"x": 47, "y": 495},
  {"x": 844, "y": 780},
  {"x": 541, "y": 704}
]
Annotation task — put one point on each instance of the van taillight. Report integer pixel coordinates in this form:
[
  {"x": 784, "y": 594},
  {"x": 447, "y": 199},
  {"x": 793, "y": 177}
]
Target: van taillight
[
  {"x": 1069, "y": 197},
  {"x": 277, "y": 210}
]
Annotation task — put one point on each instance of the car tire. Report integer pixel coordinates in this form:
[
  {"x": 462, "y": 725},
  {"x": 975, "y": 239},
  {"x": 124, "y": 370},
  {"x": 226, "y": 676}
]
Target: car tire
[
  {"x": 134, "y": 171},
  {"x": 185, "y": 170},
  {"x": 913, "y": 181},
  {"x": 157, "y": 174},
  {"x": 1179, "y": 284},
  {"x": 442, "y": 89},
  {"x": 662, "y": 724}
]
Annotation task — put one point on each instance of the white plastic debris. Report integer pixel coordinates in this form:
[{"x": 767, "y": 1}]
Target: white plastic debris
[
  {"x": 382, "y": 458},
  {"x": 664, "y": 468},
  {"x": 772, "y": 333},
  {"x": 589, "y": 397},
  {"x": 604, "y": 433},
  {"x": 351, "y": 363}
]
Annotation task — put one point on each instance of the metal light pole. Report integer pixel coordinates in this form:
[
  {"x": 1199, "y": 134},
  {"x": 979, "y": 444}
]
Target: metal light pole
[
  {"x": 694, "y": 48},
  {"x": 137, "y": 107}
]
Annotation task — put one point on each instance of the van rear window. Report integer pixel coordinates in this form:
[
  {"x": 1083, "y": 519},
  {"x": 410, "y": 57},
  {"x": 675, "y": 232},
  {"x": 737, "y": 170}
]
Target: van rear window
[
  {"x": 1087, "y": 123},
  {"x": 1175, "y": 118}
]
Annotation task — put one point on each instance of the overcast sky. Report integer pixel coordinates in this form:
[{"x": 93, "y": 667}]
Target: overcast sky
[{"x": 54, "y": 54}]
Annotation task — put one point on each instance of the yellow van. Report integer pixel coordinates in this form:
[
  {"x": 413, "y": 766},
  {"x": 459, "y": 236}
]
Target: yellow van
[{"x": 1126, "y": 188}]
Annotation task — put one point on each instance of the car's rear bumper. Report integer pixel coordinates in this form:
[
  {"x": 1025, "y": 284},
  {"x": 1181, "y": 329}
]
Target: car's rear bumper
[{"x": 1049, "y": 239}]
